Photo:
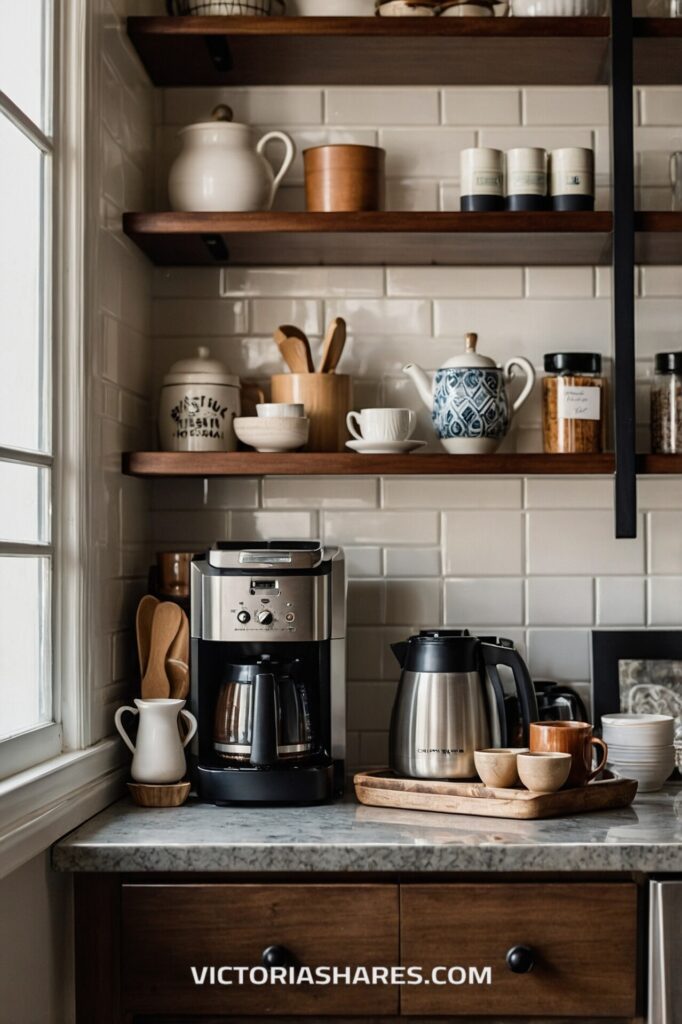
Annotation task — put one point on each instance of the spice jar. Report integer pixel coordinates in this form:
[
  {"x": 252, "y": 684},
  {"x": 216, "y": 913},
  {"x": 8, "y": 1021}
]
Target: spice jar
[
  {"x": 666, "y": 404},
  {"x": 573, "y": 403}
]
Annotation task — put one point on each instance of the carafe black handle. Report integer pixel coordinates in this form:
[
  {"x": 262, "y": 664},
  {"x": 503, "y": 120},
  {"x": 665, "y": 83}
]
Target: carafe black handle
[
  {"x": 501, "y": 654},
  {"x": 264, "y": 728}
]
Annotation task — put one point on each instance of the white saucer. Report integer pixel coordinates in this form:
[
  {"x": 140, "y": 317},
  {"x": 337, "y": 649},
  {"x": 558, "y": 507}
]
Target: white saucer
[{"x": 385, "y": 447}]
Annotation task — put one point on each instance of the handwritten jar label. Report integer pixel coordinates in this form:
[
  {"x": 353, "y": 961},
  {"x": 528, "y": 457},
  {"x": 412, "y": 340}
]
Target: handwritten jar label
[{"x": 579, "y": 403}]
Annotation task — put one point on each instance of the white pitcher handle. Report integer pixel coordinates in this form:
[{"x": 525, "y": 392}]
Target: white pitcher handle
[
  {"x": 351, "y": 419},
  {"x": 119, "y": 725},
  {"x": 289, "y": 154},
  {"x": 529, "y": 373},
  {"x": 191, "y": 728}
]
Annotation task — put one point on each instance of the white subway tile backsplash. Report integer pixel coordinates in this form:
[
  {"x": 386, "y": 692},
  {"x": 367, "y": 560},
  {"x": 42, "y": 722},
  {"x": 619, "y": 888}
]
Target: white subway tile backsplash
[
  {"x": 665, "y": 601},
  {"x": 487, "y": 602},
  {"x": 662, "y": 492},
  {"x": 374, "y": 749},
  {"x": 268, "y": 314},
  {"x": 256, "y": 106},
  {"x": 301, "y": 282},
  {"x": 559, "y": 282},
  {"x": 569, "y": 492},
  {"x": 665, "y": 543},
  {"x": 661, "y": 282},
  {"x": 424, "y": 152},
  {"x": 365, "y": 561},
  {"x": 660, "y": 106},
  {"x": 179, "y": 318},
  {"x": 558, "y": 106},
  {"x": 411, "y": 194},
  {"x": 272, "y": 525},
  {"x": 369, "y": 706},
  {"x": 320, "y": 492},
  {"x": 364, "y": 652},
  {"x": 483, "y": 543},
  {"x": 366, "y": 602},
  {"x": 621, "y": 601},
  {"x": 455, "y": 282},
  {"x": 578, "y": 543},
  {"x": 561, "y": 654},
  {"x": 413, "y": 601},
  {"x": 381, "y": 527},
  {"x": 363, "y": 106},
  {"x": 460, "y": 492},
  {"x": 563, "y": 601},
  {"x": 383, "y": 316},
  {"x": 413, "y": 561},
  {"x": 476, "y": 107}
]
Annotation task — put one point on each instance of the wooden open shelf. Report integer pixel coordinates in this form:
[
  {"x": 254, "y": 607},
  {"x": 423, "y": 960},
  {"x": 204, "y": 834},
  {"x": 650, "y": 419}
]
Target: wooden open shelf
[
  {"x": 409, "y": 239},
  {"x": 372, "y": 51},
  {"x": 659, "y": 238},
  {"x": 658, "y": 51}
]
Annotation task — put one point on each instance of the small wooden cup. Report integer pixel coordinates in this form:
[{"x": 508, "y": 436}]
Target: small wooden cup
[
  {"x": 344, "y": 178},
  {"x": 327, "y": 397}
]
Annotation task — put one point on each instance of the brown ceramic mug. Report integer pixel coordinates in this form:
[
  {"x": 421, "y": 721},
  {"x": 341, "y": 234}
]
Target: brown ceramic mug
[
  {"x": 573, "y": 738},
  {"x": 173, "y": 573}
]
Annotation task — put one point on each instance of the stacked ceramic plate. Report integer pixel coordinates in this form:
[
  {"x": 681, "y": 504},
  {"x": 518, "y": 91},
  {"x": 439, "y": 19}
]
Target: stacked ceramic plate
[{"x": 640, "y": 747}]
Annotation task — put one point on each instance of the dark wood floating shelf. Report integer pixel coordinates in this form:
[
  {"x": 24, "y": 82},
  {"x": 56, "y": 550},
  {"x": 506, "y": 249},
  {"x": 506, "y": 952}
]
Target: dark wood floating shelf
[
  {"x": 397, "y": 51},
  {"x": 372, "y": 51},
  {"x": 206, "y": 464},
  {"x": 409, "y": 239}
]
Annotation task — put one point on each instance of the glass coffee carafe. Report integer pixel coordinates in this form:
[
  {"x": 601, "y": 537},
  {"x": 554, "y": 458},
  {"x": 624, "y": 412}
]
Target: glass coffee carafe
[{"x": 262, "y": 715}]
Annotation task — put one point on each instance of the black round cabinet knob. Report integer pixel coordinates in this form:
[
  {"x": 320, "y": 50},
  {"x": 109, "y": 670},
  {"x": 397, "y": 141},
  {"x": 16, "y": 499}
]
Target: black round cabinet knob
[
  {"x": 520, "y": 959},
  {"x": 277, "y": 956}
]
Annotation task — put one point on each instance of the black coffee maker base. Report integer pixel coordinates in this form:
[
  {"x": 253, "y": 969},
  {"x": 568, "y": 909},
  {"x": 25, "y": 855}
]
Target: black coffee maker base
[{"x": 312, "y": 784}]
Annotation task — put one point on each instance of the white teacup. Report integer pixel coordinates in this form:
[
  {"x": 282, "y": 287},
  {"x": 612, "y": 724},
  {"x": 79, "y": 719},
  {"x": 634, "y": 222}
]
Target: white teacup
[
  {"x": 382, "y": 424},
  {"x": 279, "y": 410}
]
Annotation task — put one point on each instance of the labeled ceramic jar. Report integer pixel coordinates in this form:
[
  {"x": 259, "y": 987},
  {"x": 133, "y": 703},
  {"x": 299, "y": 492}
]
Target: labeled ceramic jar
[
  {"x": 199, "y": 401},
  {"x": 572, "y": 179},
  {"x": 526, "y": 187},
  {"x": 666, "y": 405},
  {"x": 574, "y": 405},
  {"x": 482, "y": 179}
]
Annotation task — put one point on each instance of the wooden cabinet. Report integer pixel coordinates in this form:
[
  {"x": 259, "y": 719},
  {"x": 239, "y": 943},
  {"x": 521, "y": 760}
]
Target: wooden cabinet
[
  {"x": 581, "y": 941},
  {"x": 168, "y": 929}
]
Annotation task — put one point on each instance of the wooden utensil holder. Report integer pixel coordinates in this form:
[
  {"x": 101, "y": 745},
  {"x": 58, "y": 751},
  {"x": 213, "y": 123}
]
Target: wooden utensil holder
[
  {"x": 327, "y": 397},
  {"x": 344, "y": 178}
]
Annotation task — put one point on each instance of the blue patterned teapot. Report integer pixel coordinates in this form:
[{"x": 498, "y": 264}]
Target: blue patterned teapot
[{"x": 469, "y": 401}]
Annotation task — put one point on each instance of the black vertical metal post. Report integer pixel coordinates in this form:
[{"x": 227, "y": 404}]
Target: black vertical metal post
[{"x": 623, "y": 177}]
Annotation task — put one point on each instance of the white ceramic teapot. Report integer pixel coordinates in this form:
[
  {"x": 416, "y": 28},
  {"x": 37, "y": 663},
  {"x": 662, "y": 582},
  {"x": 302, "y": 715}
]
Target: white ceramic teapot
[
  {"x": 468, "y": 399},
  {"x": 159, "y": 754},
  {"x": 219, "y": 170}
]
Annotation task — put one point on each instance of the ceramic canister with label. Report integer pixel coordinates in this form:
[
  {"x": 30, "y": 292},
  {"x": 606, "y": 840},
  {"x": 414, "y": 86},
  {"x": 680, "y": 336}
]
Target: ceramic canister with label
[
  {"x": 574, "y": 403},
  {"x": 572, "y": 177},
  {"x": 482, "y": 180},
  {"x": 526, "y": 185},
  {"x": 199, "y": 401}
]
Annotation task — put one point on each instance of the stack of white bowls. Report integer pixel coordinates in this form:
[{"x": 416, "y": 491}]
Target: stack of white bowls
[{"x": 640, "y": 747}]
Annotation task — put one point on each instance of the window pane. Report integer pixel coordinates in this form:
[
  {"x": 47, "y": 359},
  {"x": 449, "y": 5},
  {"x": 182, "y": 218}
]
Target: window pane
[
  {"x": 25, "y": 503},
  {"x": 25, "y": 68},
  {"x": 23, "y": 419},
  {"x": 25, "y": 697}
]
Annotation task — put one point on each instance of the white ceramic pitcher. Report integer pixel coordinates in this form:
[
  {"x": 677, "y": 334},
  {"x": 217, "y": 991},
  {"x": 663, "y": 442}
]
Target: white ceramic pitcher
[{"x": 158, "y": 755}]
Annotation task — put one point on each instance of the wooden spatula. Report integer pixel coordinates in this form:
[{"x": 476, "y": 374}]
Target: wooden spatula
[
  {"x": 143, "y": 627},
  {"x": 296, "y": 355},
  {"x": 177, "y": 662},
  {"x": 282, "y": 337},
  {"x": 333, "y": 346},
  {"x": 165, "y": 627}
]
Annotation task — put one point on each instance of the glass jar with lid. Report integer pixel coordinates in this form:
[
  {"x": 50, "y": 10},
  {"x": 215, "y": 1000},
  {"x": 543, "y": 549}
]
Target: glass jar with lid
[
  {"x": 574, "y": 403},
  {"x": 666, "y": 404}
]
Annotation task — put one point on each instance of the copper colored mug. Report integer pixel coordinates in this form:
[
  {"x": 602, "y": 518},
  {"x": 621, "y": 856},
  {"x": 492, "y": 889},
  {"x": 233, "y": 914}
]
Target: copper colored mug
[
  {"x": 573, "y": 738},
  {"x": 173, "y": 573}
]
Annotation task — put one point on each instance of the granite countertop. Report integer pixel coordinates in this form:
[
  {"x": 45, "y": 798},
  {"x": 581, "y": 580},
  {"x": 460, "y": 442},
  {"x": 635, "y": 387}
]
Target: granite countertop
[{"x": 348, "y": 837}]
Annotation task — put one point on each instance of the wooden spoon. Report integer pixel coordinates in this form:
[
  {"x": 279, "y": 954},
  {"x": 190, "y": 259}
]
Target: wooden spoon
[
  {"x": 282, "y": 336},
  {"x": 177, "y": 662},
  {"x": 334, "y": 342},
  {"x": 143, "y": 628},
  {"x": 296, "y": 355},
  {"x": 165, "y": 626}
]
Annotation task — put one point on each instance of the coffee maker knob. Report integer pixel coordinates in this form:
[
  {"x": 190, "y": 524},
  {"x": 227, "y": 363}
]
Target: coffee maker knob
[
  {"x": 265, "y": 618},
  {"x": 243, "y": 617},
  {"x": 520, "y": 959}
]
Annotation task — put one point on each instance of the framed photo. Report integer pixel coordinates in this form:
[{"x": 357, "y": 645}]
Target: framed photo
[{"x": 638, "y": 671}]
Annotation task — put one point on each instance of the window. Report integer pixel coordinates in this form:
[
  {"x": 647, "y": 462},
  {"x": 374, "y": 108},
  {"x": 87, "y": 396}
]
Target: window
[{"x": 29, "y": 711}]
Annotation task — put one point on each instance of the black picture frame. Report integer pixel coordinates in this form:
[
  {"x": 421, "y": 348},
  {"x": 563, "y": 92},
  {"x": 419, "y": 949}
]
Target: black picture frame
[{"x": 611, "y": 646}]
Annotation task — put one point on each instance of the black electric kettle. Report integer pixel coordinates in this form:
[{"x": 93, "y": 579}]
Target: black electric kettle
[
  {"x": 262, "y": 715},
  {"x": 451, "y": 701}
]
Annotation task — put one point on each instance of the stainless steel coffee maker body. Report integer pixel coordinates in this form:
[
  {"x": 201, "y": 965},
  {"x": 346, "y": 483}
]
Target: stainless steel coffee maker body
[{"x": 451, "y": 702}]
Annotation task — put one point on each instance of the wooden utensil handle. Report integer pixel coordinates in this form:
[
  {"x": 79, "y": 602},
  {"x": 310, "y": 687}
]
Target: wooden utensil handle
[{"x": 596, "y": 742}]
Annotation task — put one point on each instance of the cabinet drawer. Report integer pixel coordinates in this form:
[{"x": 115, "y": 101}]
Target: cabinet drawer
[
  {"x": 583, "y": 938},
  {"x": 168, "y": 929}
]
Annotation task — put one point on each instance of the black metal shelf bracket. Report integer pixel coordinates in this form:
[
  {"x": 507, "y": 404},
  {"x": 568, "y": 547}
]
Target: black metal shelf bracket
[{"x": 623, "y": 177}]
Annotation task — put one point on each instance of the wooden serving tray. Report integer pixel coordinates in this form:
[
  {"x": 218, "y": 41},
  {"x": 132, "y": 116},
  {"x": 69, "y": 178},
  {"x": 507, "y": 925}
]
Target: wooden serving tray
[{"x": 386, "y": 789}]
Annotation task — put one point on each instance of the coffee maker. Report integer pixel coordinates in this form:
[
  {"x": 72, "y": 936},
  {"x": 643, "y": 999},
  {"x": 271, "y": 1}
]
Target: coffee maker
[{"x": 268, "y": 688}]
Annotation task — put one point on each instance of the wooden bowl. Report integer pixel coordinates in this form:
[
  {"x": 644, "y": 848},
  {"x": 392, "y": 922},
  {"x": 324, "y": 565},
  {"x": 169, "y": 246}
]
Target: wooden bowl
[{"x": 159, "y": 796}]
